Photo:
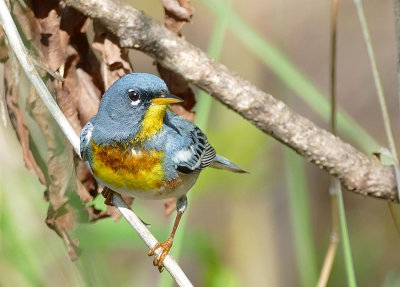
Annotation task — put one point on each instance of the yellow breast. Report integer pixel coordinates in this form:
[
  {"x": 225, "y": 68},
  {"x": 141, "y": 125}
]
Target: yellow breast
[{"x": 122, "y": 168}]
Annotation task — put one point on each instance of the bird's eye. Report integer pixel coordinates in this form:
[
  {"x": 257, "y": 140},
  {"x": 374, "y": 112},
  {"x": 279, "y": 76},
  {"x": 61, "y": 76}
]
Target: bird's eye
[{"x": 133, "y": 95}]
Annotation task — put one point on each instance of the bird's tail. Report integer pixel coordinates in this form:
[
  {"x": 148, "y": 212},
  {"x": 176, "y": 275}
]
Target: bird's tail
[{"x": 221, "y": 162}]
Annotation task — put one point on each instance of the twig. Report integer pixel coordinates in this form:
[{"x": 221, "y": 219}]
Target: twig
[
  {"x": 135, "y": 29},
  {"x": 18, "y": 48}
]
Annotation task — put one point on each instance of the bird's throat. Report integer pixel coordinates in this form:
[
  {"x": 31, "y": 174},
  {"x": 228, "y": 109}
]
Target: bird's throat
[{"x": 152, "y": 122}]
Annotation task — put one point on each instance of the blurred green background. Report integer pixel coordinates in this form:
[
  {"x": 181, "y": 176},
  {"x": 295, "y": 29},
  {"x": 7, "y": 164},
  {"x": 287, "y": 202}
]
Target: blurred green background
[{"x": 268, "y": 228}]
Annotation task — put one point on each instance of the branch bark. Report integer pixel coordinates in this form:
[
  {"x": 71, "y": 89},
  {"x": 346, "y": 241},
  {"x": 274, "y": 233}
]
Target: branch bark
[{"x": 357, "y": 172}]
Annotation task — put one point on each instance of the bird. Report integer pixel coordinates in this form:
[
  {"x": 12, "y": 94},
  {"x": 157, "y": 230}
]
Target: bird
[{"x": 137, "y": 146}]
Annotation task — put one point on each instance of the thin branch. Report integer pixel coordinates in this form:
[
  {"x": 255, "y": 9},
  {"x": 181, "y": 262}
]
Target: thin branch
[
  {"x": 19, "y": 50},
  {"x": 396, "y": 9},
  {"x": 377, "y": 78},
  {"x": 135, "y": 29},
  {"x": 335, "y": 235},
  {"x": 333, "y": 245},
  {"x": 334, "y": 14}
]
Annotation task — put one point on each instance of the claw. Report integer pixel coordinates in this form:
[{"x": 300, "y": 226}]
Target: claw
[{"x": 159, "y": 260}]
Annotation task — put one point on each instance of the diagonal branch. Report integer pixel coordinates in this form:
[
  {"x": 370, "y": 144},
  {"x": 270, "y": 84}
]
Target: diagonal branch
[
  {"x": 135, "y": 29},
  {"x": 18, "y": 48}
]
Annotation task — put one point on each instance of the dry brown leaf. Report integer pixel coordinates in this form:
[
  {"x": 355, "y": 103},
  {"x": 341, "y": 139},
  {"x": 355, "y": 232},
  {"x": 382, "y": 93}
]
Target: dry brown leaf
[
  {"x": 61, "y": 184},
  {"x": 79, "y": 54},
  {"x": 65, "y": 208},
  {"x": 89, "y": 96},
  {"x": 78, "y": 97},
  {"x": 58, "y": 34},
  {"x": 18, "y": 120},
  {"x": 67, "y": 103},
  {"x": 61, "y": 216},
  {"x": 115, "y": 61},
  {"x": 3, "y": 47},
  {"x": 177, "y": 13},
  {"x": 179, "y": 110},
  {"x": 85, "y": 178},
  {"x": 71, "y": 243},
  {"x": 53, "y": 41},
  {"x": 25, "y": 20}
]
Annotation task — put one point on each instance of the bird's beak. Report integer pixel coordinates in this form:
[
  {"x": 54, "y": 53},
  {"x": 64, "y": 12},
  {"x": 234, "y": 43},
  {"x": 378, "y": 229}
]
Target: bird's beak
[{"x": 165, "y": 99}]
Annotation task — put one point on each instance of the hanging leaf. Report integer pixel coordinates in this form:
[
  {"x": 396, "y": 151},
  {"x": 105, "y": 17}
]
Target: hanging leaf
[
  {"x": 58, "y": 42},
  {"x": 114, "y": 59}
]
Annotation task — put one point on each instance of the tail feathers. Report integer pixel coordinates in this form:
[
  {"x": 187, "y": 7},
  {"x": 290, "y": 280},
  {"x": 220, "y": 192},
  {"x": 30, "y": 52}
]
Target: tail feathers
[{"x": 221, "y": 162}]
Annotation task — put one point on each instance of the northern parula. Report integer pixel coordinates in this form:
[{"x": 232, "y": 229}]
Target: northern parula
[{"x": 135, "y": 145}]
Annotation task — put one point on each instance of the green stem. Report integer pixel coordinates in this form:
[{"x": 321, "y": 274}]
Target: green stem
[
  {"x": 301, "y": 219},
  {"x": 348, "y": 259},
  {"x": 377, "y": 79}
]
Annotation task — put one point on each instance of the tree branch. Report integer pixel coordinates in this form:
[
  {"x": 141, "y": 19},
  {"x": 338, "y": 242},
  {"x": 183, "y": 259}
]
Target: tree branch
[
  {"x": 19, "y": 50},
  {"x": 356, "y": 171}
]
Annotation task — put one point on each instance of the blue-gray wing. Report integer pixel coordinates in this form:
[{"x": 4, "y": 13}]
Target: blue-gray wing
[
  {"x": 197, "y": 155},
  {"x": 86, "y": 139}
]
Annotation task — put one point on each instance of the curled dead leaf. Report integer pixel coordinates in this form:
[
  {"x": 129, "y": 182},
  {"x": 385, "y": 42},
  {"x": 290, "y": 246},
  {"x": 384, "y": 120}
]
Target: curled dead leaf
[
  {"x": 18, "y": 121},
  {"x": 3, "y": 47},
  {"x": 53, "y": 41},
  {"x": 65, "y": 207},
  {"x": 114, "y": 59},
  {"x": 177, "y": 13}
]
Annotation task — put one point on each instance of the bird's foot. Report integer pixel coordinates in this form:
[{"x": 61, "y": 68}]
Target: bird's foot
[
  {"x": 159, "y": 260},
  {"x": 107, "y": 193}
]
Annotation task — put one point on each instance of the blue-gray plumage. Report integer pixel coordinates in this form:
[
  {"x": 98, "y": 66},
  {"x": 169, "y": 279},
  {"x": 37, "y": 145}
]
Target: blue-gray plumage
[{"x": 136, "y": 146}]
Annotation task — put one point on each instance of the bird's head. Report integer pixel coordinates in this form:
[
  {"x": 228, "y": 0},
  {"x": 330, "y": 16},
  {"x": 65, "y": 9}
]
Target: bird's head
[{"x": 133, "y": 94}]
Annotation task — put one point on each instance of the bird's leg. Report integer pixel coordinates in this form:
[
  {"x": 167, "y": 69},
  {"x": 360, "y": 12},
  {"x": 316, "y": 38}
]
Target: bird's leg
[
  {"x": 181, "y": 205},
  {"x": 107, "y": 193}
]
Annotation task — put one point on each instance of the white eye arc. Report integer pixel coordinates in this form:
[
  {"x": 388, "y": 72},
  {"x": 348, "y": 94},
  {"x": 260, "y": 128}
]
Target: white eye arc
[{"x": 135, "y": 103}]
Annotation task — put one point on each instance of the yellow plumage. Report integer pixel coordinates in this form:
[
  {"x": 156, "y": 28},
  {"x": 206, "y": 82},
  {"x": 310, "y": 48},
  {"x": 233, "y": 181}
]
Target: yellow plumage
[
  {"x": 152, "y": 122},
  {"x": 119, "y": 167}
]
